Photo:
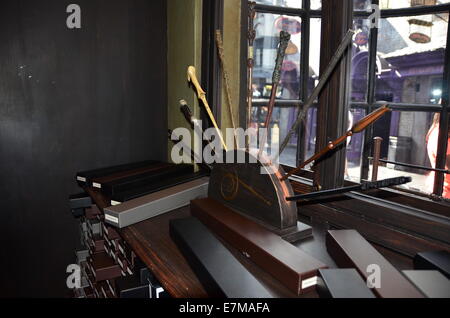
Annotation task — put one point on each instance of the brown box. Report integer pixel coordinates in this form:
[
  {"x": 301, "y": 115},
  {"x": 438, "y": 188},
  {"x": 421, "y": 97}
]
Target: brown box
[
  {"x": 103, "y": 267},
  {"x": 294, "y": 268}
]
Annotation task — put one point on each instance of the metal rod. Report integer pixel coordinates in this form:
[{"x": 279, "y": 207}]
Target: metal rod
[
  {"x": 376, "y": 157},
  {"x": 323, "y": 80}
]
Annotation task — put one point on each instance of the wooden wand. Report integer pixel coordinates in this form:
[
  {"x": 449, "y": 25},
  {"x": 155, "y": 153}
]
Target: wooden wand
[
  {"x": 285, "y": 37},
  {"x": 357, "y": 128},
  {"x": 220, "y": 51},
  {"x": 250, "y": 64}
]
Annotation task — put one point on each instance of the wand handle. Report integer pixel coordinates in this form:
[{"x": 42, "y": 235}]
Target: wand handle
[
  {"x": 285, "y": 37},
  {"x": 192, "y": 77}
]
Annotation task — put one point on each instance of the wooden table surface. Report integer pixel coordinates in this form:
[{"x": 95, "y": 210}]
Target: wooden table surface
[{"x": 151, "y": 242}]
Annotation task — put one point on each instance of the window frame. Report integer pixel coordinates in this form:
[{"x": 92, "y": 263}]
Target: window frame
[{"x": 371, "y": 104}]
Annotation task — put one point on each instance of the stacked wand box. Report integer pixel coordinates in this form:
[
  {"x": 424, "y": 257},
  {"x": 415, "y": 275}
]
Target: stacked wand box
[{"x": 109, "y": 267}]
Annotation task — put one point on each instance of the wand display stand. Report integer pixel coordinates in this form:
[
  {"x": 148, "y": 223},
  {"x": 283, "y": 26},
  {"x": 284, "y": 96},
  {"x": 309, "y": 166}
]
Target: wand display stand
[{"x": 255, "y": 190}]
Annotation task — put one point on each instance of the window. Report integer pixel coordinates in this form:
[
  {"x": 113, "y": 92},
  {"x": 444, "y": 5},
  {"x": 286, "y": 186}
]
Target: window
[
  {"x": 402, "y": 64},
  {"x": 302, "y": 20}
]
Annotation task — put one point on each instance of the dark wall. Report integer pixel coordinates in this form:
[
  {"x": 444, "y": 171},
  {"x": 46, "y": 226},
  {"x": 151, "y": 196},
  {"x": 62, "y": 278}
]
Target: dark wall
[{"x": 70, "y": 100}]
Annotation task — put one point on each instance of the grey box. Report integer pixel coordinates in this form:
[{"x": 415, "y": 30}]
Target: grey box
[
  {"x": 157, "y": 203},
  {"x": 431, "y": 283}
]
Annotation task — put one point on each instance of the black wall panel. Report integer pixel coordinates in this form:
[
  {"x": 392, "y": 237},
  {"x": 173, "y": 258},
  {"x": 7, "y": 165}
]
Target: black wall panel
[{"x": 70, "y": 99}]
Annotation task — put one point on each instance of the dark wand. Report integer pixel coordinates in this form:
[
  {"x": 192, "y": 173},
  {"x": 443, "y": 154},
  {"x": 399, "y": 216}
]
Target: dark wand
[
  {"x": 360, "y": 187},
  {"x": 285, "y": 37}
]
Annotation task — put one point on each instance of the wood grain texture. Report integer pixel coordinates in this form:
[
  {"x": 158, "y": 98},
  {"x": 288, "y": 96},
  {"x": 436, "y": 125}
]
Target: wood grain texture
[{"x": 151, "y": 242}]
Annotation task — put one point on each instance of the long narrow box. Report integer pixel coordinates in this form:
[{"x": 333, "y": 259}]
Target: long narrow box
[
  {"x": 342, "y": 283},
  {"x": 84, "y": 178},
  {"x": 292, "y": 267},
  {"x": 433, "y": 260},
  {"x": 219, "y": 271},
  {"x": 349, "y": 249},
  {"x": 151, "y": 176},
  {"x": 157, "y": 203},
  {"x": 100, "y": 181},
  {"x": 152, "y": 187},
  {"x": 431, "y": 283}
]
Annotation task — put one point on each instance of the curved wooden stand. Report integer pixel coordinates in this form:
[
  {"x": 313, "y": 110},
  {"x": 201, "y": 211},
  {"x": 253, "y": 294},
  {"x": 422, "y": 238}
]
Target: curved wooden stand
[{"x": 255, "y": 190}]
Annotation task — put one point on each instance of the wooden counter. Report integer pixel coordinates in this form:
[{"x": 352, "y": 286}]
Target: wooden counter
[{"x": 151, "y": 242}]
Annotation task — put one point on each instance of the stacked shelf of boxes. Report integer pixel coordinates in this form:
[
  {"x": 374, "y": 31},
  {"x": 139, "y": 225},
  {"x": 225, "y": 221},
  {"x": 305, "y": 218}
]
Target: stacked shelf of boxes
[{"x": 109, "y": 268}]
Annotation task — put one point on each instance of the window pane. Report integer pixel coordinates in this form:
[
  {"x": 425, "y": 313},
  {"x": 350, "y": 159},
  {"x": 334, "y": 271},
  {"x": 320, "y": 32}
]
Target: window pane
[
  {"x": 283, "y": 119},
  {"x": 316, "y": 4},
  {"x": 361, "y": 5},
  {"x": 282, "y": 3},
  {"x": 395, "y": 4},
  {"x": 358, "y": 5},
  {"x": 287, "y": 118},
  {"x": 310, "y": 132},
  {"x": 360, "y": 60},
  {"x": 268, "y": 27},
  {"x": 408, "y": 137},
  {"x": 409, "y": 71},
  {"x": 354, "y": 147},
  {"x": 314, "y": 54}
]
